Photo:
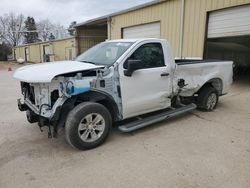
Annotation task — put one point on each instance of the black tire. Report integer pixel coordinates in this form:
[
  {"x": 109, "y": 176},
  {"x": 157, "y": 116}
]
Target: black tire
[
  {"x": 204, "y": 95},
  {"x": 76, "y": 117}
]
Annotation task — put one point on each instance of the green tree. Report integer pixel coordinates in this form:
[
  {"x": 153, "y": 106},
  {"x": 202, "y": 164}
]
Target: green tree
[{"x": 31, "y": 34}]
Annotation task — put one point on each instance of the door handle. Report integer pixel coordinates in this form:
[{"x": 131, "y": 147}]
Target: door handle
[{"x": 164, "y": 74}]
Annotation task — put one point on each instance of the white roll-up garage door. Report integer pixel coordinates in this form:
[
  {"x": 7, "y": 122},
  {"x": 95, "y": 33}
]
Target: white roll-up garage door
[
  {"x": 152, "y": 30},
  {"x": 229, "y": 22}
]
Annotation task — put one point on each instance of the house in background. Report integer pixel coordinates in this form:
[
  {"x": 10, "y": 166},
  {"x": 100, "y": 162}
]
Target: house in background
[{"x": 54, "y": 50}]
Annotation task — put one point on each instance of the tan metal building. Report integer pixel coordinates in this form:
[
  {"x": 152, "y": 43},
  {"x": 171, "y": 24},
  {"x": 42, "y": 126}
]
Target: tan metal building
[
  {"x": 187, "y": 24},
  {"x": 90, "y": 33},
  {"x": 195, "y": 28},
  {"x": 55, "y": 50}
]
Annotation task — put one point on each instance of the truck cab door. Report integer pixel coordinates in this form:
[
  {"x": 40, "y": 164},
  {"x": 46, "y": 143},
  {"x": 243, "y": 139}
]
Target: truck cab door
[{"x": 148, "y": 88}]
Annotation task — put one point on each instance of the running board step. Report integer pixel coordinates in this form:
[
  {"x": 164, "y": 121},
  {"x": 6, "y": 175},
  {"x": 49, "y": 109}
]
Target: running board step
[{"x": 132, "y": 126}]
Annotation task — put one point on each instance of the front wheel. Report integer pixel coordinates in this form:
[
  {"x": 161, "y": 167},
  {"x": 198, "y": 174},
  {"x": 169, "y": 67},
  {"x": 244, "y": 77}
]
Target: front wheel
[
  {"x": 88, "y": 125},
  {"x": 207, "y": 98}
]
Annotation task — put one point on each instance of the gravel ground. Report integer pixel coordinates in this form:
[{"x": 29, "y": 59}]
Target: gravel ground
[{"x": 196, "y": 150}]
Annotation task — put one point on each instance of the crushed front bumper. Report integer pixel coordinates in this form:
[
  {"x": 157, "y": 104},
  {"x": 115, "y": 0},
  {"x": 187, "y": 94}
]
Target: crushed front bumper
[
  {"x": 54, "y": 114},
  {"x": 33, "y": 116},
  {"x": 21, "y": 106}
]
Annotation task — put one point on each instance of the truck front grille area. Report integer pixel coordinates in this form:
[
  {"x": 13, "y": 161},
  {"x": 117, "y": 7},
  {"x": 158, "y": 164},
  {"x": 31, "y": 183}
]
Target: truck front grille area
[
  {"x": 54, "y": 95},
  {"x": 28, "y": 92}
]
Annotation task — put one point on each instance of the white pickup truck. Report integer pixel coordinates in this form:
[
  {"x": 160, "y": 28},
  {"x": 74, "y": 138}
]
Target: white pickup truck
[{"x": 133, "y": 83}]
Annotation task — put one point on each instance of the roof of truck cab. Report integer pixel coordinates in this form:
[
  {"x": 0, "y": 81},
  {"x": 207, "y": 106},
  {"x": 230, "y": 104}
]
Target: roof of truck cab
[{"x": 134, "y": 40}]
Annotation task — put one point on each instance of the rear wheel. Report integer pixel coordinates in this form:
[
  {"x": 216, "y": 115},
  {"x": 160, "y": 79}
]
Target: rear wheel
[
  {"x": 88, "y": 125},
  {"x": 207, "y": 98}
]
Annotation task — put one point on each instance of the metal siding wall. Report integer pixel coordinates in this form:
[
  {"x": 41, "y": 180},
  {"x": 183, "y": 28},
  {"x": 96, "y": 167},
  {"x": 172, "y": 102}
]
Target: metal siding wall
[
  {"x": 168, "y": 13},
  {"x": 20, "y": 53},
  {"x": 195, "y": 23},
  {"x": 88, "y": 37},
  {"x": 41, "y": 50},
  {"x": 87, "y": 43},
  {"x": 59, "y": 48},
  {"x": 34, "y": 53},
  {"x": 194, "y": 28},
  {"x": 36, "y": 50}
]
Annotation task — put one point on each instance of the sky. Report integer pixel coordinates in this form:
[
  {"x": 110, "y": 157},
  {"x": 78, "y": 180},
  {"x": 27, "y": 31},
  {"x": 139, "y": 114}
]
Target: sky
[{"x": 66, "y": 11}]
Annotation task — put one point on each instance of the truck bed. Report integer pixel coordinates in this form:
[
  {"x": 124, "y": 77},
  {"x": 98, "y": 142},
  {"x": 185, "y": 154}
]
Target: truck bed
[
  {"x": 197, "y": 72},
  {"x": 194, "y": 61}
]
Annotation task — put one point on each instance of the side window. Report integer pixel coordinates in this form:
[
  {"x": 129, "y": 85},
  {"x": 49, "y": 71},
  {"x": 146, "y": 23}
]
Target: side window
[{"x": 150, "y": 54}]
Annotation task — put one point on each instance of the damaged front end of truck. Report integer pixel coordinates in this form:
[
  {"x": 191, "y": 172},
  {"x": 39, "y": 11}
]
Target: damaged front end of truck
[{"x": 49, "y": 102}]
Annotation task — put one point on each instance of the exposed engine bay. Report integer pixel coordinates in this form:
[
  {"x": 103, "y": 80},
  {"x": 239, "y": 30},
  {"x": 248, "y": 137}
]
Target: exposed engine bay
[{"x": 43, "y": 101}]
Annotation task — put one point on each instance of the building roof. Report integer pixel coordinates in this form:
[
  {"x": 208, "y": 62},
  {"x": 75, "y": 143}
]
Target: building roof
[
  {"x": 104, "y": 18},
  {"x": 44, "y": 42}
]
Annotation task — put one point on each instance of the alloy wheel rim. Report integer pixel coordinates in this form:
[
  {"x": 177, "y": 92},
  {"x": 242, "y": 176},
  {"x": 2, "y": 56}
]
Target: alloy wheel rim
[
  {"x": 91, "y": 127},
  {"x": 211, "y": 101}
]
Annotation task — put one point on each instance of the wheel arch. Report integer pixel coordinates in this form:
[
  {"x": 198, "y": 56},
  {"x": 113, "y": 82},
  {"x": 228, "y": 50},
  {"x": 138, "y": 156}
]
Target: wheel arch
[
  {"x": 91, "y": 96},
  {"x": 102, "y": 98},
  {"x": 216, "y": 83}
]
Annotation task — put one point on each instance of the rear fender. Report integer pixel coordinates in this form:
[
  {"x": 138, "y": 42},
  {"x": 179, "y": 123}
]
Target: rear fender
[{"x": 215, "y": 83}]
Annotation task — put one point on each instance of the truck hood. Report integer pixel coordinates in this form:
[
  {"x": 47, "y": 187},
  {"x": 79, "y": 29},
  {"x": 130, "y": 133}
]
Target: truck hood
[{"x": 45, "y": 72}]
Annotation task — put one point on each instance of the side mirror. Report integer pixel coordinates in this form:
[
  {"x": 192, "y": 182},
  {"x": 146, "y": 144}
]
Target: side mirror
[{"x": 131, "y": 66}]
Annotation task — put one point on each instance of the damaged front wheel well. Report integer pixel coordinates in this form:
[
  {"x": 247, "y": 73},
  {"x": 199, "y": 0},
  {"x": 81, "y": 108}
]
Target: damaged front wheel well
[
  {"x": 102, "y": 98},
  {"x": 92, "y": 96}
]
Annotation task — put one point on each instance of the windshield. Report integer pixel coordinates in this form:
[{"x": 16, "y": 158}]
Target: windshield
[{"x": 105, "y": 53}]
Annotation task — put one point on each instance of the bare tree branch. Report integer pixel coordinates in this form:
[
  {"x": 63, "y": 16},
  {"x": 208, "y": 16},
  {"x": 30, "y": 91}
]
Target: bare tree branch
[{"x": 11, "y": 26}]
